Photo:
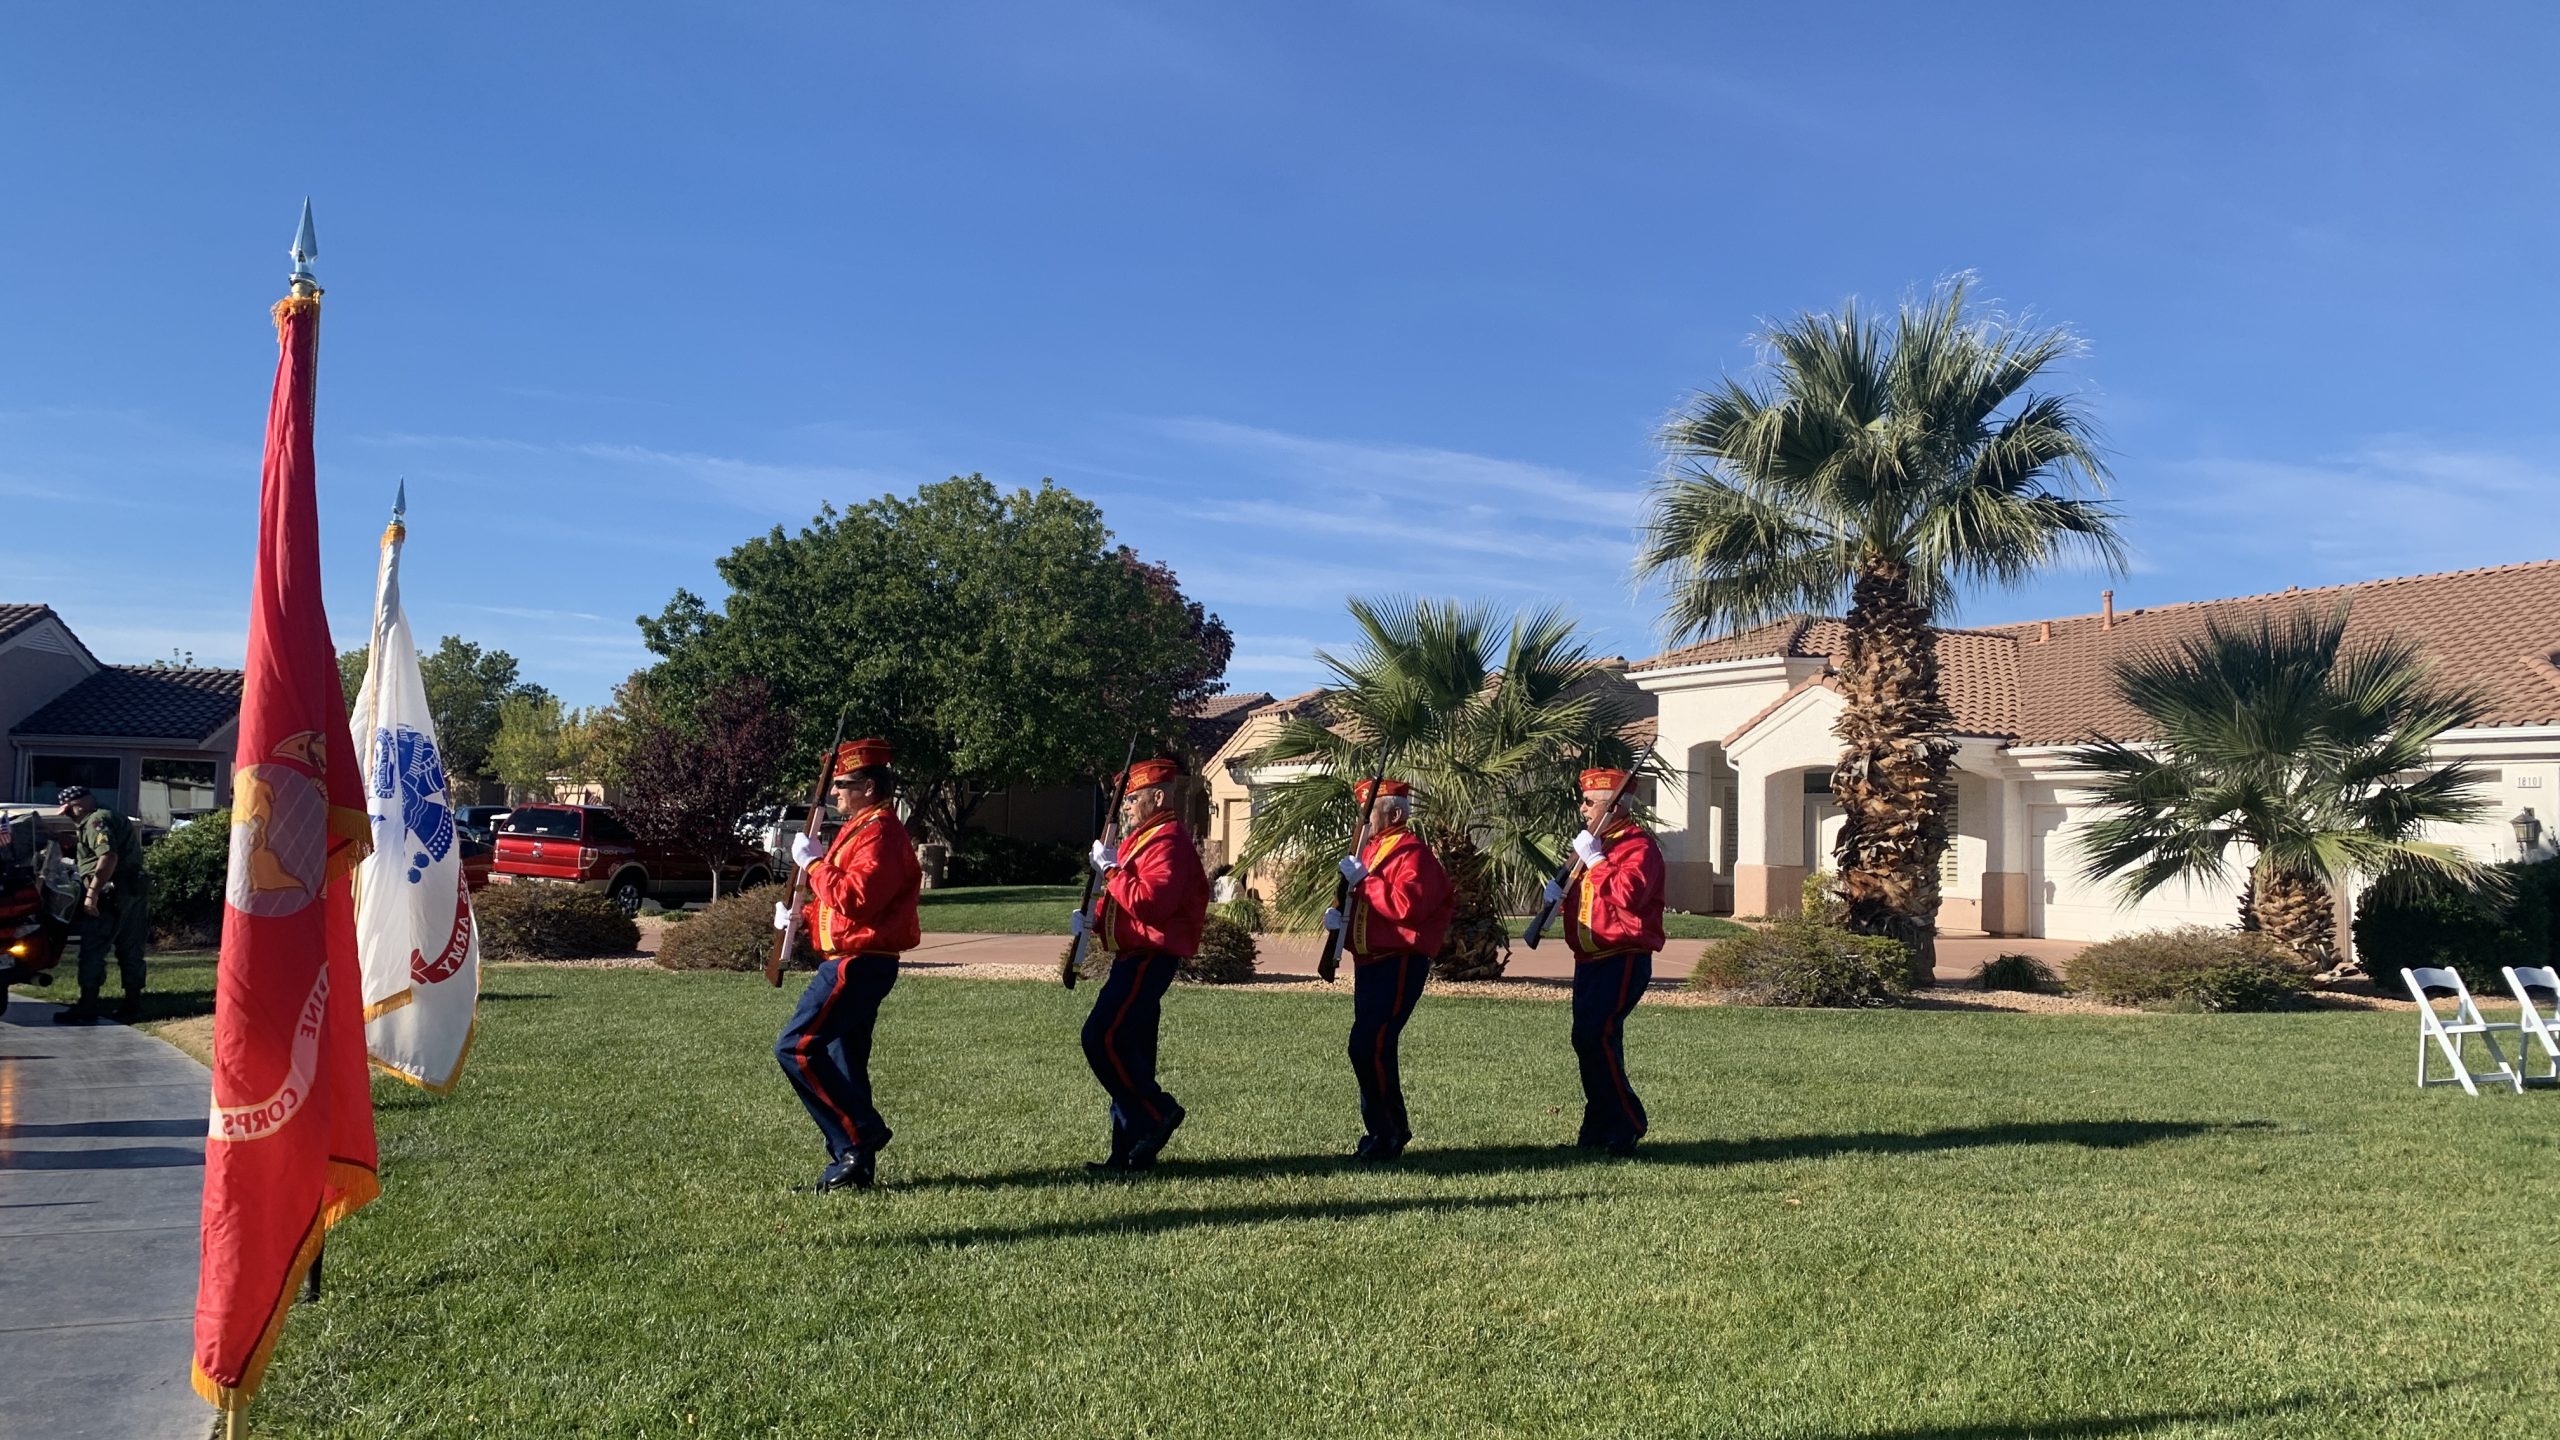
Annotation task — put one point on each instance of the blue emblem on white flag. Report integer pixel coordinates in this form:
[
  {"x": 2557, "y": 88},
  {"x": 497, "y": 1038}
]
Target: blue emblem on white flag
[{"x": 406, "y": 768}]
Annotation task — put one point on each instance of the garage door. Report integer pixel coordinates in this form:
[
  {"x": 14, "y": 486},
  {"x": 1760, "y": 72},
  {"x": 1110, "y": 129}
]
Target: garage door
[{"x": 2063, "y": 906}]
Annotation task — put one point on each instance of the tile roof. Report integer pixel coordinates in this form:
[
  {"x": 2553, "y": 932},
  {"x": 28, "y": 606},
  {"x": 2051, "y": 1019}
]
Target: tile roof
[
  {"x": 14, "y": 618},
  {"x": 2043, "y": 682},
  {"x": 2494, "y": 631},
  {"x": 142, "y": 701},
  {"x": 1208, "y": 722}
]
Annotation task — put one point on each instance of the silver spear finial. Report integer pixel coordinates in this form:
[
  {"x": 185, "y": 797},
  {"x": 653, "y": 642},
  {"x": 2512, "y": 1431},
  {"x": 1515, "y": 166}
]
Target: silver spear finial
[
  {"x": 306, "y": 248},
  {"x": 400, "y": 503}
]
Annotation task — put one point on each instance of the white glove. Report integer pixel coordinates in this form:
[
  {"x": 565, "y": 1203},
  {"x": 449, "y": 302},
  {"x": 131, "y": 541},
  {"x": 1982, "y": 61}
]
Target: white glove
[
  {"x": 1587, "y": 846},
  {"x": 1079, "y": 924},
  {"x": 1551, "y": 892},
  {"x": 804, "y": 848},
  {"x": 1332, "y": 918},
  {"x": 1104, "y": 855},
  {"x": 781, "y": 916},
  {"x": 1353, "y": 870}
]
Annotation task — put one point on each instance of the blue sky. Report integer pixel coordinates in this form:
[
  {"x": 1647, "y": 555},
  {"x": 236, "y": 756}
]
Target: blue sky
[{"x": 1313, "y": 299}]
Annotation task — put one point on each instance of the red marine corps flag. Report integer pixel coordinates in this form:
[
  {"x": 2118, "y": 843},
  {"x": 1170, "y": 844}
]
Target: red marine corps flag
[{"x": 290, "y": 1151}]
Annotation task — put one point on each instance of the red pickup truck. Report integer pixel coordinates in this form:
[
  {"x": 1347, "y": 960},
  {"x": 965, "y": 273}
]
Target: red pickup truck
[{"x": 590, "y": 846}]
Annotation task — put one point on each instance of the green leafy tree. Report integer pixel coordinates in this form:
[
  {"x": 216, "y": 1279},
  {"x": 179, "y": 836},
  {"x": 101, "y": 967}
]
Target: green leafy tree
[
  {"x": 1887, "y": 466},
  {"x": 2280, "y": 755},
  {"x": 996, "y": 639},
  {"x": 529, "y": 750},
  {"x": 1491, "y": 722},
  {"x": 466, "y": 686}
]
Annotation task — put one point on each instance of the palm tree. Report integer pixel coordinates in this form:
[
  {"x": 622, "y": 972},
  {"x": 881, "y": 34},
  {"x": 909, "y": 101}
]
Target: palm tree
[
  {"x": 1889, "y": 469},
  {"x": 1489, "y": 722},
  {"x": 2280, "y": 750}
]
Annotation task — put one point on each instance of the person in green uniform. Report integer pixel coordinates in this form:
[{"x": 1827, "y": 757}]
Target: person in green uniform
[{"x": 112, "y": 912}]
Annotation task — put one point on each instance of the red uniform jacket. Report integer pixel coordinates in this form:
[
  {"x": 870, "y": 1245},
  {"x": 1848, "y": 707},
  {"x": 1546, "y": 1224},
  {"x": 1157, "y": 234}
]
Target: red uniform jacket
[
  {"x": 1158, "y": 896},
  {"x": 1405, "y": 901},
  {"x": 862, "y": 892},
  {"x": 1616, "y": 906}
]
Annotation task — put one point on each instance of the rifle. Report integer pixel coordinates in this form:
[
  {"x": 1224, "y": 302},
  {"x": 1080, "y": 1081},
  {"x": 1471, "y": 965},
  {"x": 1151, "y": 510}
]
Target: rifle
[
  {"x": 1073, "y": 965},
  {"x": 1571, "y": 869},
  {"x": 1330, "y": 958},
  {"x": 788, "y": 941}
]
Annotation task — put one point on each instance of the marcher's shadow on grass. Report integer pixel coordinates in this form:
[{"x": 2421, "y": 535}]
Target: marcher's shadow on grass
[
  {"x": 1151, "y": 1222},
  {"x": 2143, "y": 1422},
  {"x": 1427, "y": 1159}
]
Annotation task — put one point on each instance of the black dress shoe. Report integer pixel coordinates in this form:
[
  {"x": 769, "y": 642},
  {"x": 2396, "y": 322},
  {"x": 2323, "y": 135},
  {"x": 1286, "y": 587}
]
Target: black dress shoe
[
  {"x": 1143, "y": 1154},
  {"x": 84, "y": 1013},
  {"x": 1391, "y": 1148},
  {"x": 1366, "y": 1149},
  {"x": 129, "y": 1009},
  {"x": 1622, "y": 1149},
  {"x": 855, "y": 1171}
]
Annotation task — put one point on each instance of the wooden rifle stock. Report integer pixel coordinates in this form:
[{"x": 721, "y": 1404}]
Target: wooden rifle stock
[
  {"x": 1073, "y": 965},
  {"x": 1571, "y": 869},
  {"x": 1330, "y": 958},
  {"x": 788, "y": 942}
]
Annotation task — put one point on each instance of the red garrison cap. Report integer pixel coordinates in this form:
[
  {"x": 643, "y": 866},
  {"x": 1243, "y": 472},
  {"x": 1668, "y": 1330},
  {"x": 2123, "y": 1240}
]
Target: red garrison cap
[
  {"x": 1153, "y": 772},
  {"x": 855, "y": 755},
  {"x": 1388, "y": 788},
  {"x": 1603, "y": 779}
]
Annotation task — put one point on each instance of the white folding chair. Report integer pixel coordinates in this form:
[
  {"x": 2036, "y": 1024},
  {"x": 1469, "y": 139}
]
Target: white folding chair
[
  {"x": 2538, "y": 1023},
  {"x": 2454, "y": 1036}
]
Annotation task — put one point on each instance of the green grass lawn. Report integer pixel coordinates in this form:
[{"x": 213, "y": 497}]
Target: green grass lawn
[
  {"x": 1044, "y": 910},
  {"x": 1000, "y": 909},
  {"x": 1892, "y": 1225}
]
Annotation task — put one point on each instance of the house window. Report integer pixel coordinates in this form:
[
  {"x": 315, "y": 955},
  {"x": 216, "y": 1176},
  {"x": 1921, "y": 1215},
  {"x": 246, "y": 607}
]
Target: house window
[
  {"x": 1947, "y": 860},
  {"x": 47, "y": 774},
  {"x": 1729, "y": 844},
  {"x": 174, "y": 788}
]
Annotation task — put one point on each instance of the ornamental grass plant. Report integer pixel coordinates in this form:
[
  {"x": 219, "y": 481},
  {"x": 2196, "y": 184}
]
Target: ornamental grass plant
[
  {"x": 1801, "y": 961},
  {"x": 2193, "y": 967},
  {"x": 532, "y": 921}
]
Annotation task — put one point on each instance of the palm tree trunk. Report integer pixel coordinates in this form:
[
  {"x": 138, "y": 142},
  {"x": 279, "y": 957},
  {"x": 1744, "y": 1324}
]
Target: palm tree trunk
[
  {"x": 2298, "y": 912},
  {"x": 1891, "y": 782},
  {"x": 1479, "y": 942}
]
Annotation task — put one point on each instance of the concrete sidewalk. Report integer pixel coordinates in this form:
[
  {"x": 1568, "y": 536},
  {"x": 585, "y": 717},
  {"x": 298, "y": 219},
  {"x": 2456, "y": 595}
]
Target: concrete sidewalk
[
  {"x": 101, "y": 1181},
  {"x": 1959, "y": 954}
]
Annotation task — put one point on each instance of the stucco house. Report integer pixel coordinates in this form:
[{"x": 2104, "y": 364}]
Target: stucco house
[
  {"x": 154, "y": 741},
  {"x": 1238, "y": 781},
  {"x": 1747, "y": 719}
]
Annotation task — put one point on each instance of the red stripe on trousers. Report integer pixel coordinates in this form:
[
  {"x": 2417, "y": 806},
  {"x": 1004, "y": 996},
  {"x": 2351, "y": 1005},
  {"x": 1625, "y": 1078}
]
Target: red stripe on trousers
[
  {"x": 1111, "y": 1034},
  {"x": 800, "y": 1052},
  {"x": 1617, "y": 1056}
]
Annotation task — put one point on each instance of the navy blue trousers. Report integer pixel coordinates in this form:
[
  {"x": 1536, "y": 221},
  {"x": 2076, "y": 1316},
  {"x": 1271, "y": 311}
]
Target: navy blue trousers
[
  {"x": 1384, "y": 990},
  {"x": 1604, "y": 991},
  {"x": 1120, "y": 1042},
  {"x": 826, "y": 1049}
]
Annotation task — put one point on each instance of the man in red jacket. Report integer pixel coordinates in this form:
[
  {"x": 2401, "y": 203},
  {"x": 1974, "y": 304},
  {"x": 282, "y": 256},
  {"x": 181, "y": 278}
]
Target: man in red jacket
[
  {"x": 1400, "y": 905},
  {"x": 1154, "y": 902},
  {"x": 862, "y": 917},
  {"x": 1613, "y": 922}
]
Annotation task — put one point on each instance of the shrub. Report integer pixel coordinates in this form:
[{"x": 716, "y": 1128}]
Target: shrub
[
  {"x": 981, "y": 858},
  {"x": 2470, "y": 932},
  {"x": 531, "y": 921},
  {"x": 1822, "y": 903},
  {"x": 734, "y": 932},
  {"x": 1246, "y": 910},
  {"x": 1226, "y": 956},
  {"x": 2017, "y": 972},
  {"x": 187, "y": 871},
  {"x": 2199, "y": 966},
  {"x": 1802, "y": 961}
]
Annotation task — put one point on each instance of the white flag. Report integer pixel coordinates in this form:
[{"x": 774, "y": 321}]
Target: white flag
[{"x": 414, "y": 929}]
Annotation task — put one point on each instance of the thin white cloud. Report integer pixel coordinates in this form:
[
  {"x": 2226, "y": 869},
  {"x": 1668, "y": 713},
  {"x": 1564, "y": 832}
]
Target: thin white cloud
[
  {"x": 2396, "y": 505},
  {"x": 1448, "y": 476},
  {"x": 766, "y": 486}
]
